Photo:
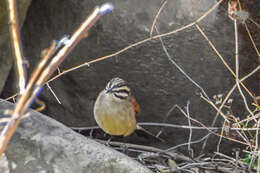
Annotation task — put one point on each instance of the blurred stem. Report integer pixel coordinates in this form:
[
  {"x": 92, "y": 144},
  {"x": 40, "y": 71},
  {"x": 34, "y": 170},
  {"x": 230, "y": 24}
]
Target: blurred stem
[{"x": 16, "y": 44}]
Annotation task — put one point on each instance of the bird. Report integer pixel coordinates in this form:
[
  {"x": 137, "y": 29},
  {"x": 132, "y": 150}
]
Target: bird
[{"x": 116, "y": 108}]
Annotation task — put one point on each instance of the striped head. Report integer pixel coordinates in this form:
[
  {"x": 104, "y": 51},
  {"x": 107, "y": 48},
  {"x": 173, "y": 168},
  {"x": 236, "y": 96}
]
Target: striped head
[{"x": 118, "y": 88}]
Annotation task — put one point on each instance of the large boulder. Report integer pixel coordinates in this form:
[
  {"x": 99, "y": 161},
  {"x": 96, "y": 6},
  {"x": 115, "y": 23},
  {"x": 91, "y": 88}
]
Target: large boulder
[{"x": 41, "y": 144}]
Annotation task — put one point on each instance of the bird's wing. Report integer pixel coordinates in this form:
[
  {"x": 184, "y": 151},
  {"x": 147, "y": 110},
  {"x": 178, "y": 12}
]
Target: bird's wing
[{"x": 136, "y": 106}]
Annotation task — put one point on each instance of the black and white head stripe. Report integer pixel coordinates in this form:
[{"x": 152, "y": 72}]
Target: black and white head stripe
[{"x": 118, "y": 87}]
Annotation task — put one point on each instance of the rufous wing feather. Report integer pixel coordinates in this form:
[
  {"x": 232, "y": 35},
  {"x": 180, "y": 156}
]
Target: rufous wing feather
[{"x": 136, "y": 106}]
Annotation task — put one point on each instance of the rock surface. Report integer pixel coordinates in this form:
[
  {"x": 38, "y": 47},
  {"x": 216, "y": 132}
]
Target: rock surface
[
  {"x": 42, "y": 145},
  {"x": 4, "y": 168}
]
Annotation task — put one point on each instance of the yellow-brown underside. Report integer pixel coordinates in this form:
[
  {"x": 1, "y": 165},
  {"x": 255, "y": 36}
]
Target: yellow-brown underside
[{"x": 116, "y": 126}]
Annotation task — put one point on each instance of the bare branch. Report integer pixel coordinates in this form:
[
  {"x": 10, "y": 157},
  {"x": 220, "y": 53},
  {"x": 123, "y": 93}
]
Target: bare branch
[{"x": 20, "y": 60}]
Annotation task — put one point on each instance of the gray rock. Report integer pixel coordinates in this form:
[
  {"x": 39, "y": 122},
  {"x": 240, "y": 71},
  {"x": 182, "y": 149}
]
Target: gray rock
[
  {"x": 6, "y": 59},
  {"x": 42, "y": 145},
  {"x": 4, "y": 164}
]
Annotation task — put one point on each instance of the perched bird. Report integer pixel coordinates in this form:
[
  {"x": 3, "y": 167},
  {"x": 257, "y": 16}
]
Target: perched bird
[{"x": 115, "y": 109}]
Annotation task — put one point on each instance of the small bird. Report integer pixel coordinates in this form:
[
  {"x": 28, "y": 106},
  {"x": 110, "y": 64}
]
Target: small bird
[{"x": 115, "y": 109}]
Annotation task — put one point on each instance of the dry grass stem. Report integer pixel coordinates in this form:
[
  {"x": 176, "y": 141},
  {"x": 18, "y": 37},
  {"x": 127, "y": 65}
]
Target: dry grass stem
[
  {"x": 184, "y": 126},
  {"x": 179, "y": 68},
  {"x": 222, "y": 59},
  {"x": 148, "y": 148},
  {"x": 252, "y": 40},
  {"x": 231, "y": 91},
  {"x": 221, "y": 134},
  {"x": 237, "y": 70},
  {"x": 53, "y": 93},
  {"x": 258, "y": 25},
  {"x": 240, "y": 8},
  {"x": 189, "y": 143},
  {"x": 156, "y": 17},
  {"x": 189, "y": 122},
  {"x": 217, "y": 109}
]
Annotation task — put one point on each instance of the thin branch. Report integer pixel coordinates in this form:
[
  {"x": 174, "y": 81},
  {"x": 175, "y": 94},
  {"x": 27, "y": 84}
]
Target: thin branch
[
  {"x": 190, "y": 142},
  {"x": 53, "y": 93},
  {"x": 221, "y": 135},
  {"x": 254, "y": 22},
  {"x": 215, "y": 107},
  {"x": 147, "y": 148},
  {"x": 179, "y": 68},
  {"x": 252, "y": 40},
  {"x": 224, "y": 102},
  {"x": 11, "y": 97},
  {"x": 217, "y": 134},
  {"x": 248, "y": 119},
  {"x": 213, "y": 132},
  {"x": 156, "y": 17},
  {"x": 233, "y": 88},
  {"x": 188, "y": 117},
  {"x": 177, "y": 126},
  {"x": 222, "y": 59},
  {"x": 237, "y": 69},
  {"x": 248, "y": 32},
  {"x": 16, "y": 44},
  {"x": 166, "y": 117},
  {"x": 255, "y": 152},
  {"x": 229, "y": 158}
]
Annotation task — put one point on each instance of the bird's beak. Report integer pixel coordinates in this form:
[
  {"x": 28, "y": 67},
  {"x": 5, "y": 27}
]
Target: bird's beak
[{"x": 108, "y": 90}]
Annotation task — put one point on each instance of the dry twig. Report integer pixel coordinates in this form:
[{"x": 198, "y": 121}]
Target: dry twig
[
  {"x": 156, "y": 17},
  {"x": 16, "y": 44}
]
